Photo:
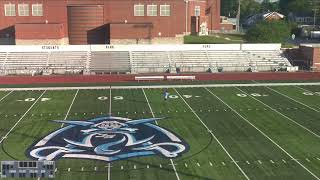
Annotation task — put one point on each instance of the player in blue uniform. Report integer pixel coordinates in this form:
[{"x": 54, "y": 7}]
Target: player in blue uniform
[{"x": 166, "y": 95}]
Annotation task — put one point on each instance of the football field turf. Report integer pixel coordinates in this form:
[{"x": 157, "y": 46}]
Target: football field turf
[{"x": 247, "y": 132}]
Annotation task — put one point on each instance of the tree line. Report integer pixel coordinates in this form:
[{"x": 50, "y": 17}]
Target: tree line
[{"x": 229, "y": 8}]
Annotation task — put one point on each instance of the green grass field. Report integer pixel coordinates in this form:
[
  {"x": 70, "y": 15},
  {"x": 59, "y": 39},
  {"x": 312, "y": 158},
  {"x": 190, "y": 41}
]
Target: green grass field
[{"x": 233, "y": 132}]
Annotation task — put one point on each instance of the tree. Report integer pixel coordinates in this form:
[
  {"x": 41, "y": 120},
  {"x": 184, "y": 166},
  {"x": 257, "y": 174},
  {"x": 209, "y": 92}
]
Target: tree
[
  {"x": 267, "y": 5},
  {"x": 229, "y": 8},
  {"x": 269, "y": 32},
  {"x": 249, "y": 7},
  {"x": 296, "y": 6}
]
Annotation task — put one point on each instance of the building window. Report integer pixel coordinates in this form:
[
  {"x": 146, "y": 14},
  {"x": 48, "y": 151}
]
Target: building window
[
  {"x": 37, "y": 10},
  {"x": 152, "y": 10},
  {"x": 10, "y": 10},
  {"x": 139, "y": 10},
  {"x": 197, "y": 10},
  {"x": 23, "y": 9},
  {"x": 165, "y": 10}
]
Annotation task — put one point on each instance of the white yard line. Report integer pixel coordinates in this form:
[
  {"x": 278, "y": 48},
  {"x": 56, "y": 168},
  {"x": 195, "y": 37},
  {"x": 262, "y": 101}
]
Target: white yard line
[
  {"x": 5, "y": 96},
  {"x": 109, "y": 171},
  {"x": 160, "y": 86},
  {"x": 110, "y": 102},
  {"x": 293, "y": 99},
  {"x": 172, "y": 163},
  {"x": 110, "y": 110},
  {"x": 74, "y": 98},
  {"x": 265, "y": 135},
  {"x": 22, "y": 117},
  {"x": 295, "y": 122},
  {"x": 210, "y": 131}
]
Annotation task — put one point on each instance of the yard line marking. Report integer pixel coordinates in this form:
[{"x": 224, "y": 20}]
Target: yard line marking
[
  {"x": 173, "y": 166},
  {"x": 284, "y": 161},
  {"x": 292, "y": 99},
  {"x": 260, "y": 162},
  {"x": 110, "y": 110},
  {"x": 210, "y": 163},
  {"x": 265, "y": 135},
  {"x": 22, "y": 117},
  {"x": 109, "y": 171},
  {"x": 5, "y": 96},
  {"x": 280, "y": 113},
  {"x": 240, "y": 169},
  {"x": 74, "y": 97},
  {"x": 110, "y": 102}
]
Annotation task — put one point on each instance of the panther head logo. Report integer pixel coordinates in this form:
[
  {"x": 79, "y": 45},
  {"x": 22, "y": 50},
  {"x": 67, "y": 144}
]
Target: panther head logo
[{"x": 108, "y": 139}]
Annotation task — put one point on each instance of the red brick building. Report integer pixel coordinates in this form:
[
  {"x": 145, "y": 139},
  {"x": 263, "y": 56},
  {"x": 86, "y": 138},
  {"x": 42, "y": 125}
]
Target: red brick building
[
  {"x": 311, "y": 55},
  {"x": 103, "y": 21}
]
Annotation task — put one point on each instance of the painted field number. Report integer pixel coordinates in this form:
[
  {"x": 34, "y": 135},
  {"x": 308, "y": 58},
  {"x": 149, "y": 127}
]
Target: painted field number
[
  {"x": 311, "y": 93},
  {"x": 103, "y": 98},
  {"x": 33, "y": 99},
  {"x": 253, "y": 94}
]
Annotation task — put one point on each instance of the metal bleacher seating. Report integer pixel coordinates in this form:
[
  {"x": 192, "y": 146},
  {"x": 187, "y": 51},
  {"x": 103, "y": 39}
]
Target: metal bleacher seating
[
  {"x": 140, "y": 61},
  {"x": 190, "y": 61},
  {"x": 150, "y": 61},
  {"x": 110, "y": 61},
  {"x": 67, "y": 60}
]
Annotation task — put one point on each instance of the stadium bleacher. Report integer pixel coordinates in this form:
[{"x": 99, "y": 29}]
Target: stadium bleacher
[
  {"x": 142, "y": 59},
  {"x": 110, "y": 62}
]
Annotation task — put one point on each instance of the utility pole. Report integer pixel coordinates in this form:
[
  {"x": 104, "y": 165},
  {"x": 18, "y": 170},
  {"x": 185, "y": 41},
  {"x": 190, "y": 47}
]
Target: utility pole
[
  {"x": 238, "y": 15},
  {"x": 314, "y": 17}
]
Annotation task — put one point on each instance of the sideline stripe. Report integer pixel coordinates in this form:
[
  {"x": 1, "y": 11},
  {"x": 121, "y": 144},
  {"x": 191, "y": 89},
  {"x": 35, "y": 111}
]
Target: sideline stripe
[
  {"x": 110, "y": 108},
  {"x": 173, "y": 166},
  {"x": 74, "y": 97},
  {"x": 292, "y": 99},
  {"x": 265, "y": 135},
  {"x": 240, "y": 169},
  {"x": 22, "y": 117},
  {"x": 161, "y": 86},
  {"x": 295, "y": 122},
  {"x": 5, "y": 96}
]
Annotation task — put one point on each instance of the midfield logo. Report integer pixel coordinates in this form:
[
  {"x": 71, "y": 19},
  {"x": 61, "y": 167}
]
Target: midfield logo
[{"x": 108, "y": 139}]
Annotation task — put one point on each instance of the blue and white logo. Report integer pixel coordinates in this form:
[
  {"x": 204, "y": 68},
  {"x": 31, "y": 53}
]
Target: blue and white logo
[{"x": 108, "y": 139}]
